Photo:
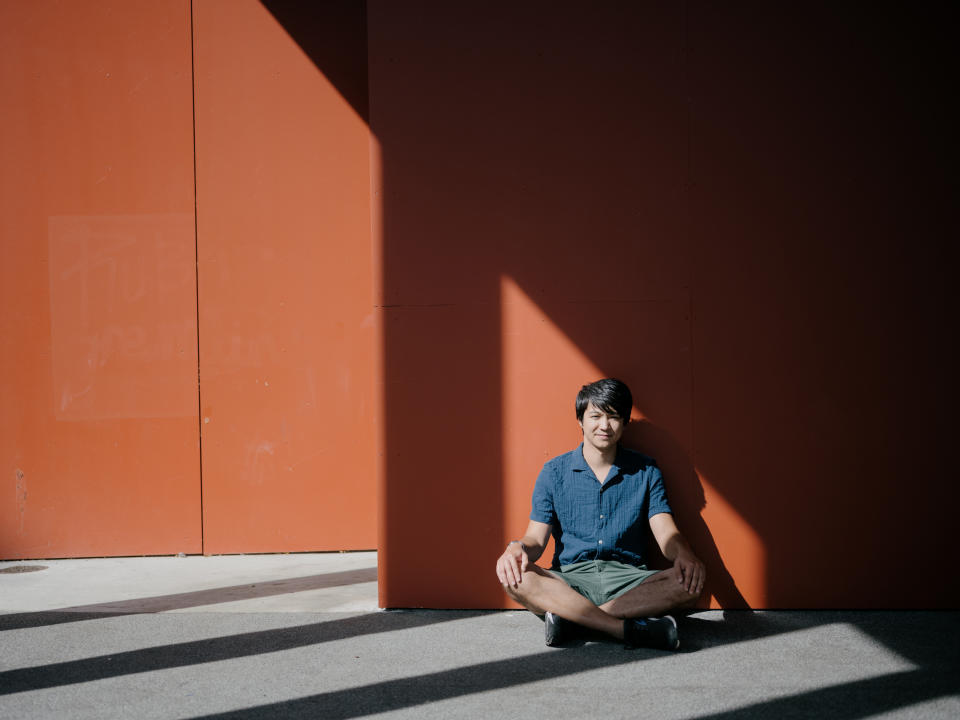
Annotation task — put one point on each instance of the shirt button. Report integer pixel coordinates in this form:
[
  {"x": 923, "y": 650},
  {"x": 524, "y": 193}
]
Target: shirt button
[
  {"x": 600, "y": 541},
  {"x": 601, "y": 517}
]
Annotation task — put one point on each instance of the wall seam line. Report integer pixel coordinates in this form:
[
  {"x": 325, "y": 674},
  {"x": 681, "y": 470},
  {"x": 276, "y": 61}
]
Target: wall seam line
[{"x": 196, "y": 249}]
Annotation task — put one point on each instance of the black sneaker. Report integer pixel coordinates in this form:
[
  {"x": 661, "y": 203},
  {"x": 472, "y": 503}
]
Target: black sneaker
[
  {"x": 658, "y": 633},
  {"x": 556, "y": 630}
]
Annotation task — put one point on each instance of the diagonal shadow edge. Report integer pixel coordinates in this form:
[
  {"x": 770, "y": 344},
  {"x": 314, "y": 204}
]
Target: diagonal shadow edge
[{"x": 333, "y": 34}]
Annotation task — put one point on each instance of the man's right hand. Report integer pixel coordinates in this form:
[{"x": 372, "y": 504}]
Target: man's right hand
[{"x": 512, "y": 564}]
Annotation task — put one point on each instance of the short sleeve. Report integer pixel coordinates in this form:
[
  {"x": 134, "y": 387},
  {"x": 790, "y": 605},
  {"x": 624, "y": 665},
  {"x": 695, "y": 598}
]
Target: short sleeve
[
  {"x": 542, "y": 509},
  {"x": 658, "y": 494}
]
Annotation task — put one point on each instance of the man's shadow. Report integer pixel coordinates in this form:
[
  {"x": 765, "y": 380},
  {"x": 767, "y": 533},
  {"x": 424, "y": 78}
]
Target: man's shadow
[{"x": 686, "y": 496}]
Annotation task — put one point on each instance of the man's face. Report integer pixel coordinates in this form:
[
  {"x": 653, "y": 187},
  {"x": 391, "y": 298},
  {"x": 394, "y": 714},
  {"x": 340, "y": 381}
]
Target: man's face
[{"x": 600, "y": 429}]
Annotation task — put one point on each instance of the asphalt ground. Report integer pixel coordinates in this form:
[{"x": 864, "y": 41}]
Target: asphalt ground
[{"x": 265, "y": 636}]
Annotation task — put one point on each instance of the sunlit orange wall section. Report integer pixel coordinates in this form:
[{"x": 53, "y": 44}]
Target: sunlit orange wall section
[
  {"x": 543, "y": 369},
  {"x": 285, "y": 293},
  {"x": 98, "y": 415}
]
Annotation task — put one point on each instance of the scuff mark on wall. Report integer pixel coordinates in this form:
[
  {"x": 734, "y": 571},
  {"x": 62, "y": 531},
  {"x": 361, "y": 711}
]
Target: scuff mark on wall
[
  {"x": 21, "y": 496},
  {"x": 261, "y": 462}
]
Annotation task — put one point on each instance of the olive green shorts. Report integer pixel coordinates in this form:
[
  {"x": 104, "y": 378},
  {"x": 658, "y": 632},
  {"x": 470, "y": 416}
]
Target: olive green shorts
[{"x": 603, "y": 580}]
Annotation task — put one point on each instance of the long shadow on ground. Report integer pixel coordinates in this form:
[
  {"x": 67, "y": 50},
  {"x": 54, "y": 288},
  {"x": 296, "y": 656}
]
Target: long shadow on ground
[
  {"x": 925, "y": 639},
  {"x": 195, "y": 652},
  {"x": 913, "y": 634}
]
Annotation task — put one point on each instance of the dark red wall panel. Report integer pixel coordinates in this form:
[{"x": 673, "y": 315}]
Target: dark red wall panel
[{"x": 741, "y": 212}]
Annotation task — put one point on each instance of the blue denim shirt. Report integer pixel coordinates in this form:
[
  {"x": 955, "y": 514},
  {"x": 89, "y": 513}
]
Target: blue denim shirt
[{"x": 591, "y": 521}]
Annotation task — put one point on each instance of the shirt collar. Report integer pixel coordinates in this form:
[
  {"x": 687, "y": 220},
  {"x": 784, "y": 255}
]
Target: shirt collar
[{"x": 580, "y": 463}]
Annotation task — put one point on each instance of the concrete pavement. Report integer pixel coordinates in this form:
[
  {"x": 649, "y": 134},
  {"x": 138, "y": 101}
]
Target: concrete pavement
[{"x": 261, "y": 636}]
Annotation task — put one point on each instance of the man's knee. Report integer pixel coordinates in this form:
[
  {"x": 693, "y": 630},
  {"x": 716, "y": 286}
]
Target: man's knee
[
  {"x": 526, "y": 591},
  {"x": 515, "y": 593},
  {"x": 528, "y": 579},
  {"x": 683, "y": 598}
]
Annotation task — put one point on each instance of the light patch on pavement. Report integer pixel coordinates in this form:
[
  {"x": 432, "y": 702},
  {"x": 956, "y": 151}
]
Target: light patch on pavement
[{"x": 117, "y": 584}]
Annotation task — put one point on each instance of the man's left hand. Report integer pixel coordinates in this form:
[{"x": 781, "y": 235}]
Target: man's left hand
[{"x": 691, "y": 572}]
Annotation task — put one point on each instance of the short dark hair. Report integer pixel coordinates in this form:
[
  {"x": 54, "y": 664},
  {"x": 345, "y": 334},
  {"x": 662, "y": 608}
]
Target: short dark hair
[{"x": 610, "y": 395}]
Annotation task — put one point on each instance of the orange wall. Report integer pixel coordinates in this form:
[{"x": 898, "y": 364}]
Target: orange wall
[
  {"x": 98, "y": 413},
  {"x": 101, "y": 422},
  {"x": 286, "y": 291},
  {"x": 738, "y": 212}
]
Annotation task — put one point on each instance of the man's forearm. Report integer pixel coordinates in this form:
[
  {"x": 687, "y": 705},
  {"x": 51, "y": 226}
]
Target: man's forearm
[{"x": 676, "y": 545}]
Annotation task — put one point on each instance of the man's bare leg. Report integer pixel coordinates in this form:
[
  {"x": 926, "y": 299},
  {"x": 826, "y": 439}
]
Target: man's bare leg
[
  {"x": 657, "y": 595},
  {"x": 540, "y": 592}
]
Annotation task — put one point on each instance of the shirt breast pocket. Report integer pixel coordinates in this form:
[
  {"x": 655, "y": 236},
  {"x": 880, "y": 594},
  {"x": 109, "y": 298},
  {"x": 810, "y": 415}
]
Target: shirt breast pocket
[{"x": 578, "y": 508}]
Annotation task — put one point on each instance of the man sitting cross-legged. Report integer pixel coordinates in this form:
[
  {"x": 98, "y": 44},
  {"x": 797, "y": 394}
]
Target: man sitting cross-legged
[{"x": 598, "y": 502}]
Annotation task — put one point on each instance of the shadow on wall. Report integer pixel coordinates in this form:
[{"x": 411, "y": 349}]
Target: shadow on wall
[
  {"x": 740, "y": 212},
  {"x": 333, "y": 34},
  {"x": 687, "y": 501}
]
